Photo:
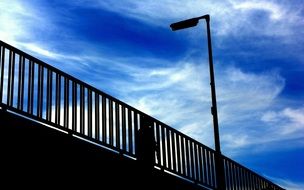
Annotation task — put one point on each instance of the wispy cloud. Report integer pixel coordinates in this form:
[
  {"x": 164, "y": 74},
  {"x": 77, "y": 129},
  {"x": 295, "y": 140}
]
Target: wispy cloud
[
  {"x": 21, "y": 22},
  {"x": 290, "y": 120},
  {"x": 180, "y": 96},
  {"x": 230, "y": 17}
]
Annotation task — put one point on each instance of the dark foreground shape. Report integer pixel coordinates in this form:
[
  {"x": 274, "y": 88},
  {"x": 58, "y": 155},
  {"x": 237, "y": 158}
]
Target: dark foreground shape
[{"x": 36, "y": 156}]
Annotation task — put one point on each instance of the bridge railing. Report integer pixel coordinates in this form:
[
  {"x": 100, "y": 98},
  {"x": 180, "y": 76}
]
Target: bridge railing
[{"x": 41, "y": 92}]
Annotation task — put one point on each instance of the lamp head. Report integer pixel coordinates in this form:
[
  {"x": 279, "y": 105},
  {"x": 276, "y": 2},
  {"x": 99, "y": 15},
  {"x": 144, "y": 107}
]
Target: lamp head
[
  {"x": 184, "y": 24},
  {"x": 188, "y": 23}
]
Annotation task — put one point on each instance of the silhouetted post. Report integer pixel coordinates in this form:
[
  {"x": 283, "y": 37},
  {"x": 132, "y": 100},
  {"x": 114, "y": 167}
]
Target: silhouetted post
[
  {"x": 146, "y": 146},
  {"x": 219, "y": 161},
  {"x": 220, "y": 175}
]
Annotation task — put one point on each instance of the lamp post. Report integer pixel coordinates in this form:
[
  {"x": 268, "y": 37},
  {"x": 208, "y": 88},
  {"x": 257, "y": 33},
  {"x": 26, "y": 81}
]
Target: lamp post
[{"x": 219, "y": 164}]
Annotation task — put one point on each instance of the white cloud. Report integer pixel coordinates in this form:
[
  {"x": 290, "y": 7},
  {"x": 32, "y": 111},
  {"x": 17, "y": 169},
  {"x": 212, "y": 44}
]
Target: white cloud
[
  {"x": 275, "y": 11},
  {"x": 180, "y": 96},
  {"x": 230, "y": 17},
  {"x": 290, "y": 120},
  {"x": 20, "y": 22}
]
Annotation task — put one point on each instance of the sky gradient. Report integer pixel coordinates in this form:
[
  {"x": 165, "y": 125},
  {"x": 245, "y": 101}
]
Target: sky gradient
[{"x": 126, "y": 49}]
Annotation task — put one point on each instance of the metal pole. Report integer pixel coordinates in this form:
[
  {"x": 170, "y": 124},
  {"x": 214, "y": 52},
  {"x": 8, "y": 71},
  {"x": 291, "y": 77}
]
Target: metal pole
[{"x": 220, "y": 175}]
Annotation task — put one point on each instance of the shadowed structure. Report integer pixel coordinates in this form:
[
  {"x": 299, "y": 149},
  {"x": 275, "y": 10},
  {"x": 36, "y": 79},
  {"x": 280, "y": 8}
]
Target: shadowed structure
[{"x": 57, "y": 131}]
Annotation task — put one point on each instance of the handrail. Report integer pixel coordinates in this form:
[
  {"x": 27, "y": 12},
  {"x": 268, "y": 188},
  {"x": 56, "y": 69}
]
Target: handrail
[{"x": 33, "y": 88}]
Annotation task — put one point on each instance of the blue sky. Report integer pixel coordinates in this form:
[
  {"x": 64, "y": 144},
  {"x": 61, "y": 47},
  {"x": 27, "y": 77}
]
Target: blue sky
[{"x": 126, "y": 49}]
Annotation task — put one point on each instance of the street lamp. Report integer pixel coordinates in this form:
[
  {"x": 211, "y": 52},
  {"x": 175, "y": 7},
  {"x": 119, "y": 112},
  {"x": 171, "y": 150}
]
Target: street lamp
[{"x": 191, "y": 23}]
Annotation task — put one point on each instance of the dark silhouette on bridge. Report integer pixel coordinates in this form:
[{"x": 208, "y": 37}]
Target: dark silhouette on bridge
[{"x": 58, "y": 130}]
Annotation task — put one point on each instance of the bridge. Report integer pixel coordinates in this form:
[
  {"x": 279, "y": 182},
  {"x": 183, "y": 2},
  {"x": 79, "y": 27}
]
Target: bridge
[{"x": 56, "y": 129}]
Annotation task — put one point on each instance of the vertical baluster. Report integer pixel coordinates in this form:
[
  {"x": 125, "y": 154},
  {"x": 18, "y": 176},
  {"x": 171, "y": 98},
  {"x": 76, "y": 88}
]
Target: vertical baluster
[
  {"x": 237, "y": 173},
  {"x": 2, "y": 72},
  {"x": 212, "y": 168},
  {"x": 58, "y": 98},
  {"x": 227, "y": 178},
  {"x": 183, "y": 163},
  {"x": 49, "y": 95},
  {"x": 66, "y": 102},
  {"x": 97, "y": 120},
  {"x": 246, "y": 179},
  {"x": 124, "y": 135},
  {"x": 130, "y": 132},
  {"x": 117, "y": 123},
  {"x": 207, "y": 167},
  {"x": 30, "y": 87},
  {"x": 197, "y": 174},
  {"x": 163, "y": 145},
  {"x": 205, "y": 179},
  {"x": 228, "y": 175},
  {"x": 173, "y": 151},
  {"x": 191, "y": 159},
  {"x": 74, "y": 106},
  {"x": 9, "y": 80},
  {"x": 263, "y": 184},
  {"x": 169, "y": 148},
  {"x": 194, "y": 161},
  {"x": 11, "y": 103},
  {"x": 251, "y": 181},
  {"x": 104, "y": 120},
  {"x": 187, "y": 159},
  {"x": 136, "y": 132},
  {"x": 40, "y": 91},
  {"x": 111, "y": 122},
  {"x": 20, "y": 83},
  {"x": 256, "y": 182},
  {"x": 157, "y": 143},
  {"x": 13, "y": 79},
  {"x": 234, "y": 176},
  {"x": 238, "y": 179},
  {"x": 82, "y": 108},
  {"x": 204, "y": 165},
  {"x": 200, "y": 160},
  {"x": 178, "y": 154},
  {"x": 90, "y": 113},
  {"x": 241, "y": 178}
]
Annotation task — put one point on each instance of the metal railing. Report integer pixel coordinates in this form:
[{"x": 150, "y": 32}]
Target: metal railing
[{"x": 41, "y": 92}]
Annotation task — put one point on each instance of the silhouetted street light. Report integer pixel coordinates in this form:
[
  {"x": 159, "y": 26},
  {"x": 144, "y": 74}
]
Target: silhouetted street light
[{"x": 191, "y": 23}]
